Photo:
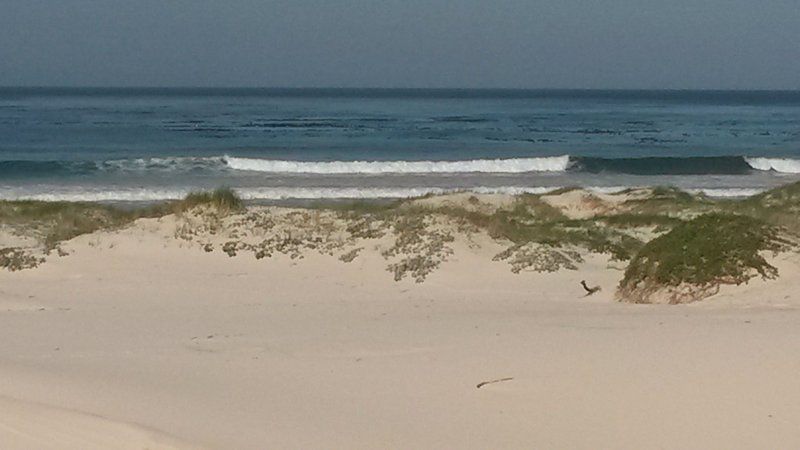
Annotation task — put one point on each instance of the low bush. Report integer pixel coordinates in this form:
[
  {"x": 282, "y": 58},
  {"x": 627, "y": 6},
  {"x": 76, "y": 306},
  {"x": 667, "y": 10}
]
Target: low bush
[{"x": 696, "y": 257}]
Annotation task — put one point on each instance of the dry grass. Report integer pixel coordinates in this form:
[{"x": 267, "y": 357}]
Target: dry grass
[
  {"x": 223, "y": 200},
  {"x": 54, "y": 222},
  {"x": 15, "y": 259}
]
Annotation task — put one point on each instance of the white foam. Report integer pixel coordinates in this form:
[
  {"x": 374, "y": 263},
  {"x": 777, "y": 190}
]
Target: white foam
[
  {"x": 178, "y": 163},
  {"x": 258, "y": 193},
  {"x": 783, "y": 165},
  {"x": 96, "y": 195},
  {"x": 514, "y": 165},
  {"x": 608, "y": 189},
  {"x": 727, "y": 192},
  {"x": 310, "y": 193}
]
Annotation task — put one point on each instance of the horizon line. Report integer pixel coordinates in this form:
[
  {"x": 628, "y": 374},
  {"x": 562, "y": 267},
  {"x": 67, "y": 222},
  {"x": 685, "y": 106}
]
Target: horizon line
[{"x": 376, "y": 88}]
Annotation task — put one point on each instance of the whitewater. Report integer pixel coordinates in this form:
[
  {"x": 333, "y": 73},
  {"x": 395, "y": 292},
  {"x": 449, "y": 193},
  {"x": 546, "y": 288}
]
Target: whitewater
[
  {"x": 782, "y": 165},
  {"x": 310, "y": 193},
  {"x": 515, "y": 165}
]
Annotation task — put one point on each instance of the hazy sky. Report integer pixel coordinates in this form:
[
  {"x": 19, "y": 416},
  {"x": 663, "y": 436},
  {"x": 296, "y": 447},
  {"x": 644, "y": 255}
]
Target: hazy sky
[{"x": 402, "y": 43}]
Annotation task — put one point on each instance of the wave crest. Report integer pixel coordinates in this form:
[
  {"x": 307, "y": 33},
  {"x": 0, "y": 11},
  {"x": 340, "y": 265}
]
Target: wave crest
[
  {"x": 514, "y": 165},
  {"x": 692, "y": 165},
  {"x": 783, "y": 165}
]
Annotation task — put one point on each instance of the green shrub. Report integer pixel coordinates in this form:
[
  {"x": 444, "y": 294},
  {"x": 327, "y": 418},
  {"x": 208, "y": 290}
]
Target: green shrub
[{"x": 707, "y": 251}]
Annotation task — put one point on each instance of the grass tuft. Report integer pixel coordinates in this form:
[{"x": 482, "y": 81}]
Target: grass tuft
[{"x": 224, "y": 200}]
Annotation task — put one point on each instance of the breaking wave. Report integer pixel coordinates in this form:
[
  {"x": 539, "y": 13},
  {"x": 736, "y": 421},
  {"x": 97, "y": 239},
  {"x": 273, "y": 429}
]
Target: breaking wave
[
  {"x": 783, "y": 165},
  {"x": 514, "y": 165},
  {"x": 712, "y": 165}
]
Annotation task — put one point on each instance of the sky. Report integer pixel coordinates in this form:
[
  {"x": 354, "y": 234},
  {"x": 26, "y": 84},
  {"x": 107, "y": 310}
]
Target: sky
[{"x": 615, "y": 44}]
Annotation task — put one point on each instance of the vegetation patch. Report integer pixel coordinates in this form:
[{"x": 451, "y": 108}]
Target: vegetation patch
[
  {"x": 51, "y": 223},
  {"x": 692, "y": 260},
  {"x": 779, "y": 206},
  {"x": 539, "y": 258},
  {"x": 15, "y": 259},
  {"x": 420, "y": 246},
  {"x": 223, "y": 200},
  {"x": 669, "y": 202},
  {"x": 542, "y": 238},
  {"x": 351, "y": 255},
  {"x": 54, "y": 222}
]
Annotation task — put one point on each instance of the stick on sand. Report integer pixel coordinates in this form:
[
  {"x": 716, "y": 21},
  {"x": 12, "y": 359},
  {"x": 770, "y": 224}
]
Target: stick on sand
[{"x": 499, "y": 380}]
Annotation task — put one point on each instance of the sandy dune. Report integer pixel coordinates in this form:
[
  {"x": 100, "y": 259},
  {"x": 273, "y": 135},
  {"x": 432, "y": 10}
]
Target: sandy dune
[{"x": 135, "y": 342}]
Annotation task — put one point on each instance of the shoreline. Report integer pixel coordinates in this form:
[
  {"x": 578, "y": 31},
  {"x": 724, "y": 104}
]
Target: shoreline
[{"x": 313, "y": 197}]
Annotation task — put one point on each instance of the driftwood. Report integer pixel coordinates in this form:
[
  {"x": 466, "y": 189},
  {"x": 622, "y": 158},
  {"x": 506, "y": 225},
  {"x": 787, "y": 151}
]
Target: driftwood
[
  {"x": 499, "y": 380},
  {"x": 590, "y": 290}
]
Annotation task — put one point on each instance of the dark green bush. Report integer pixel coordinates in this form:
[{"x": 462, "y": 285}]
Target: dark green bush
[{"x": 709, "y": 250}]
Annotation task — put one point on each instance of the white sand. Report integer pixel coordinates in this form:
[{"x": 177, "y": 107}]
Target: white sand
[
  {"x": 132, "y": 341},
  {"x": 27, "y": 425}
]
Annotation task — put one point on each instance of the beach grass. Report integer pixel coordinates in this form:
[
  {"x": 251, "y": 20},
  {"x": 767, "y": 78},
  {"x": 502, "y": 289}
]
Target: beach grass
[
  {"x": 55, "y": 222},
  {"x": 224, "y": 200}
]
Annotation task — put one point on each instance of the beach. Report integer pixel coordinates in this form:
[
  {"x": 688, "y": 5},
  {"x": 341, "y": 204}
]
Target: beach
[
  {"x": 140, "y": 336},
  {"x": 399, "y": 225}
]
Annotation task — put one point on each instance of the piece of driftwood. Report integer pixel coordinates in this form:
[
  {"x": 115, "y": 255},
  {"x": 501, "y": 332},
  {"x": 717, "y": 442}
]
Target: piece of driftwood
[
  {"x": 590, "y": 290},
  {"x": 499, "y": 380}
]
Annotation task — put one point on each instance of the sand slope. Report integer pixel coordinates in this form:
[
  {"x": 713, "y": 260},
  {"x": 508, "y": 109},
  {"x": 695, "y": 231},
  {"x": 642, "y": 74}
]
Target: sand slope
[
  {"x": 227, "y": 353},
  {"x": 25, "y": 425}
]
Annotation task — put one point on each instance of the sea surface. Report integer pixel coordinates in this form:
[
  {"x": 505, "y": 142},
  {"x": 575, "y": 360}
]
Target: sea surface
[{"x": 122, "y": 145}]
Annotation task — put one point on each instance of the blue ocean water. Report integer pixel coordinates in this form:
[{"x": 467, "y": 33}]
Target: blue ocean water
[{"x": 151, "y": 144}]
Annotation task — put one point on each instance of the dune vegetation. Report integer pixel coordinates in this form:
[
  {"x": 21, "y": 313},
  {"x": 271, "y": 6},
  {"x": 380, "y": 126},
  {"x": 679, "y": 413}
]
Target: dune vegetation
[
  {"x": 678, "y": 246},
  {"x": 698, "y": 256},
  {"x": 223, "y": 200}
]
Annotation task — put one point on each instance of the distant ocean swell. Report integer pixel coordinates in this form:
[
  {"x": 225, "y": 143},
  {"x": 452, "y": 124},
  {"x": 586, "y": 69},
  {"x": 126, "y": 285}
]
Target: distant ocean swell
[
  {"x": 715, "y": 165},
  {"x": 310, "y": 193}
]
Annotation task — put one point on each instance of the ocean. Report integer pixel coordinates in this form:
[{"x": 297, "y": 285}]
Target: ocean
[{"x": 143, "y": 145}]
